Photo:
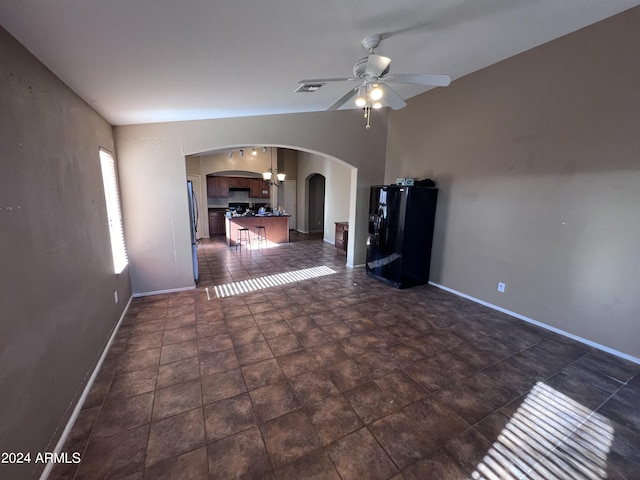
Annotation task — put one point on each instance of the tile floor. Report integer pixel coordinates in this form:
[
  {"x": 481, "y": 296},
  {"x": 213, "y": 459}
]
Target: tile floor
[{"x": 342, "y": 377}]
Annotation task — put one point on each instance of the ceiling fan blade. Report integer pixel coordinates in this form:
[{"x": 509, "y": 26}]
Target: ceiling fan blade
[
  {"x": 376, "y": 65},
  {"x": 344, "y": 99},
  {"x": 407, "y": 29},
  {"x": 392, "y": 98},
  {"x": 421, "y": 79},
  {"x": 327, "y": 80}
]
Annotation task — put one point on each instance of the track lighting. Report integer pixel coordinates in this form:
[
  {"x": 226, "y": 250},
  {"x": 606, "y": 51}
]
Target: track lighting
[{"x": 254, "y": 151}]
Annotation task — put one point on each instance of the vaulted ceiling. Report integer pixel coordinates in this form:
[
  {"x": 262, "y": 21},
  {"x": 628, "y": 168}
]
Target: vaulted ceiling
[{"x": 142, "y": 61}]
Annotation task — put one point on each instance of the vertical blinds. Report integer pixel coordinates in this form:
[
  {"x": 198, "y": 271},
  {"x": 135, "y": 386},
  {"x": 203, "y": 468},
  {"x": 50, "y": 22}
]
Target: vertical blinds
[{"x": 114, "y": 213}]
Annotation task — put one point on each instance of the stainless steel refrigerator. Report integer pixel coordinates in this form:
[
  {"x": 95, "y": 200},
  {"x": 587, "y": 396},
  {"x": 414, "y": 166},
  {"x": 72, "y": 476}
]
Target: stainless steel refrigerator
[
  {"x": 193, "y": 220},
  {"x": 401, "y": 221}
]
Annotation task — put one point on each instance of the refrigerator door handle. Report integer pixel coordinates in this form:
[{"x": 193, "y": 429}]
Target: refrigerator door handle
[{"x": 195, "y": 213}]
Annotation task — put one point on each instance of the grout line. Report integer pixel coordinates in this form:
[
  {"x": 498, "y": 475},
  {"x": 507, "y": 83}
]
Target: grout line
[
  {"x": 540, "y": 324},
  {"x": 85, "y": 393}
]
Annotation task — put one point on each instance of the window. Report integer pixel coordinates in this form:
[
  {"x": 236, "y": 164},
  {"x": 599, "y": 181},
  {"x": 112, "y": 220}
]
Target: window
[{"x": 114, "y": 214}]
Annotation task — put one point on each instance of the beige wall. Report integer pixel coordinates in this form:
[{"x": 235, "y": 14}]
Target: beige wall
[
  {"x": 292, "y": 161},
  {"x": 337, "y": 191},
  {"x": 153, "y": 176},
  {"x": 242, "y": 166},
  {"x": 538, "y": 163},
  {"x": 236, "y": 165},
  {"x": 57, "y": 284},
  {"x": 537, "y": 159},
  {"x": 220, "y": 162}
]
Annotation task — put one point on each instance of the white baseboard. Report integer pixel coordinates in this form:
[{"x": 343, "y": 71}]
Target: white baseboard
[
  {"x": 160, "y": 292},
  {"x": 540, "y": 324},
  {"x": 85, "y": 393}
]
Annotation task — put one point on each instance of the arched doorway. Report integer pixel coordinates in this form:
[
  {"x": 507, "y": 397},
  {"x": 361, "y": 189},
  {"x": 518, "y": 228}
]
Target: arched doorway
[{"x": 316, "y": 203}]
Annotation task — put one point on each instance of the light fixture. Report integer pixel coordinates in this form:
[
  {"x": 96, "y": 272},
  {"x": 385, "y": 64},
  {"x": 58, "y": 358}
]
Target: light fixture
[
  {"x": 269, "y": 174},
  {"x": 230, "y": 154},
  {"x": 264, "y": 149},
  {"x": 241, "y": 153},
  {"x": 376, "y": 92},
  {"x": 253, "y": 152},
  {"x": 361, "y": 99},
  {"x": 369, "y": 97}
]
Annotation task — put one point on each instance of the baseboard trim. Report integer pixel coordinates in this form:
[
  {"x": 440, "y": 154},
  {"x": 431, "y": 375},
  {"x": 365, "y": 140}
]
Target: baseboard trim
[
  {"x": 540, "y": 324},
  {"x": 76, "y": 411},
  {"x": 160, "y": 292}
]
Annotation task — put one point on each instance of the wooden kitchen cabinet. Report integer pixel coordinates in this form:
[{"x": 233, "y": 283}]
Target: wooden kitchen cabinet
[
  {"x": 211, "y": 187},
  {"x": 259, "y": 188},
  {"x": 238, "y": 182},
  {"x": 342, "y": 236},
  {"x": 216, "y": 222},
  {"x": 217, "y": 187}
]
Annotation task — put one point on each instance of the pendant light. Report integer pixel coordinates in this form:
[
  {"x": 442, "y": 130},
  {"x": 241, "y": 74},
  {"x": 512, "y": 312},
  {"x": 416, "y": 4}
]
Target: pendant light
[{"x": 269, "y": 175}]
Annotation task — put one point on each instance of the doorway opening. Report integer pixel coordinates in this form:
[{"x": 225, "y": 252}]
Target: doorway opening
[{"x": 317, "y": 183}]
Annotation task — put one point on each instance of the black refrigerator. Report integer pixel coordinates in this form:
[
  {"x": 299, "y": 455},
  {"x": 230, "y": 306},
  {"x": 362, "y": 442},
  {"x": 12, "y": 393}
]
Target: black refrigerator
[{"x": 401, "y": 222}]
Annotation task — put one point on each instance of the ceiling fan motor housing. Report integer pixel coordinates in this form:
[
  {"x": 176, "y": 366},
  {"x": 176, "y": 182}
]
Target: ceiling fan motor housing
[
  {"x": 360, "y": 67},
  {"x": 371, "y": 42}
]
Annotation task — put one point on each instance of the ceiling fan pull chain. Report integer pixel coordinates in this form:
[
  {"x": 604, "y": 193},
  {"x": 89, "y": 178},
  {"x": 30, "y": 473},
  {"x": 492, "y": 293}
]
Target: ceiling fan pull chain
[{"x": 367, "y": 115}]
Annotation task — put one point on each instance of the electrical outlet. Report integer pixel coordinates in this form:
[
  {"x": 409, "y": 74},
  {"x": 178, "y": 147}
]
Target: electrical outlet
[
  {"x": 115, "y": 296},
  {"x": 501, "y": 287}
]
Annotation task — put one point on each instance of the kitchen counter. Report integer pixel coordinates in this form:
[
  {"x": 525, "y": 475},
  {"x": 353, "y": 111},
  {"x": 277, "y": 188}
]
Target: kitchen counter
[{"x": 277, "y": 227}]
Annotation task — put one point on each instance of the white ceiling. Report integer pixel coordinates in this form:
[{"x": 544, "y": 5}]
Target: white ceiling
[{"x": 141, "y": 61}]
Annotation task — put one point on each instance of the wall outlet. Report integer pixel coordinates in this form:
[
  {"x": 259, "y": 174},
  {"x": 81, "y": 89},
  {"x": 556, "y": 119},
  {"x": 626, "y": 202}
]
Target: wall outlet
[
  {"x": 501, "y": 287},
  {"x": 115, "y": 296}
]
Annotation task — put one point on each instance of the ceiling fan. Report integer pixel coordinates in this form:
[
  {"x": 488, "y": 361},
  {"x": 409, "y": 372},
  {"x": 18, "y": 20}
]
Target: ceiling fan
[{"x": 373, "y": 89}]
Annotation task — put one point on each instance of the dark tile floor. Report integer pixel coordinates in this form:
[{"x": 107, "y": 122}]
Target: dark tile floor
[{"x": 342, "y": 377}]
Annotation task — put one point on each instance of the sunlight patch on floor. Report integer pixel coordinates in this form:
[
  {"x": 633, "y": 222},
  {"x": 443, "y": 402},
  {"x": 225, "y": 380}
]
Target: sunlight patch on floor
[
  {"x": 253, "y": 284},
  {"x": 551, "y": 436}
]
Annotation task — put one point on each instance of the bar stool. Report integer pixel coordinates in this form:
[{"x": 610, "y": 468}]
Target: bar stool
[
  {"x": 242, "y": 235},
  {"x": 260, "y": 234}
]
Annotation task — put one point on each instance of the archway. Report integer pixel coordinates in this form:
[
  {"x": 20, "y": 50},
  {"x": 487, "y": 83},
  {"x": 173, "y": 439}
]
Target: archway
[{"x": 152, "y": 168}]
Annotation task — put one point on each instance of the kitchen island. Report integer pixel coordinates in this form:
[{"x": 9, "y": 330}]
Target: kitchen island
[{"x": 277, "y": 228}]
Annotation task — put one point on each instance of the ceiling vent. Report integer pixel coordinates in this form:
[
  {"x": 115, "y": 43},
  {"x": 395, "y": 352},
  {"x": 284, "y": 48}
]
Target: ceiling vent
[{"x": 309, "y": 87}]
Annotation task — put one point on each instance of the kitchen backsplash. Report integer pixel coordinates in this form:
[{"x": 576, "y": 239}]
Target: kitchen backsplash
[{"x": 235, "y": 196}]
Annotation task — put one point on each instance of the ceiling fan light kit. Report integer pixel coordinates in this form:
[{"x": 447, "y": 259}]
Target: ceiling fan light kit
[
  {"x": 376, "y": 92},
  {"x": 372, "y": 72},
  {"x": 361, "y": 99}
]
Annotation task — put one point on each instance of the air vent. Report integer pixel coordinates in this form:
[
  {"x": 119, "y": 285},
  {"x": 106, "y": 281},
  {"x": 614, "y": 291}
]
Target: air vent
[{"x": 309, "y": 87}]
